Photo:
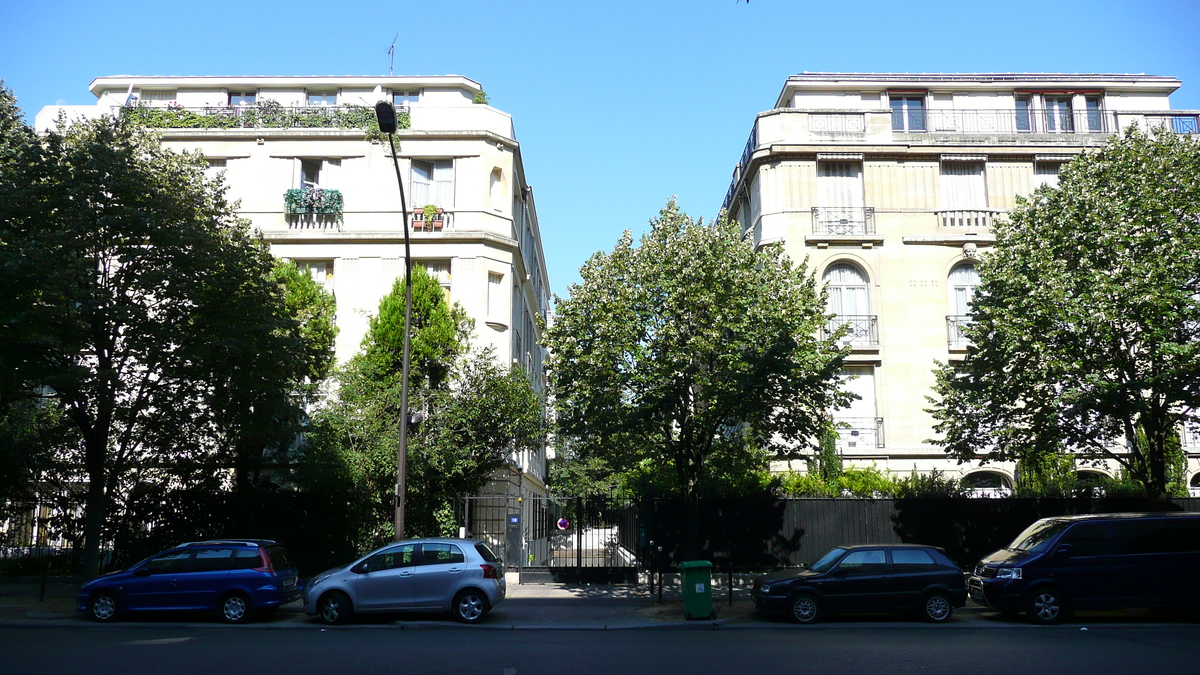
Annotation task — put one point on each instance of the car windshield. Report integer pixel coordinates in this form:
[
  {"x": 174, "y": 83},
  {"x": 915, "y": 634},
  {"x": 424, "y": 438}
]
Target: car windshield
[
  {"x": 1037, "y": 536},
  {"x": 827, "y": 561}
]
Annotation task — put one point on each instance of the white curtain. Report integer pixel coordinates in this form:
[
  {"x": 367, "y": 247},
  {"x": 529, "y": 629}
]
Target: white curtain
[
  {"x": 963, "y": 186},
  {"x": 964, "y": 279},
  {"x": 422, "y": 180},
  {"x": 443, "y": 182},
  {"x": 848, "y": 293},
  {"x": 839, "y": 184}
]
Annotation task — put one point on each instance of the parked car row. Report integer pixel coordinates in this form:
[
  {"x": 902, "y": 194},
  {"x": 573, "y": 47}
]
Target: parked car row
[
  {"x": 1057, "y": 565},
  {"x": 239, "y": 579}
]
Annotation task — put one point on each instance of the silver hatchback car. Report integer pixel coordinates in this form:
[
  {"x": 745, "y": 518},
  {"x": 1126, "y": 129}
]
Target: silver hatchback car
[{"x": 461, "y": 576}]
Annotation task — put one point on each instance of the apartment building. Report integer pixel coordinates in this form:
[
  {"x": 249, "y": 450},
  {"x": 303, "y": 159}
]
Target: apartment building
[
  {"x": 299, "y": 158},
  {"x": 889, "y": 184}
]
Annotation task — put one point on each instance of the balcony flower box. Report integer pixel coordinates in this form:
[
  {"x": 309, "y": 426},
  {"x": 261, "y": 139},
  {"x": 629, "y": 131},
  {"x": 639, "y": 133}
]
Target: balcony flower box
[{"x": 313, "y": 201}]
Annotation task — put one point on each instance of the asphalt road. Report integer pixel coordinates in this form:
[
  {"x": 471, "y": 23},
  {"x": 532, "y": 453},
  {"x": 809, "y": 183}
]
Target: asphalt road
[{"x": 833, "y": 648}]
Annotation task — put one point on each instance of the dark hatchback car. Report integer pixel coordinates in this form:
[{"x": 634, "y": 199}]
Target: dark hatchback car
[
  {"x": 867, "y": 579},
  {"x": 236, "y": 579}
]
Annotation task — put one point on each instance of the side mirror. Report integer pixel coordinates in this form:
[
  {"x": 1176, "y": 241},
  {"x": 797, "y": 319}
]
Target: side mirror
[
  {"x": 803, "y": 566},
  {"x": 360, "y": 568},
  {"x": 142, "y": 572}
]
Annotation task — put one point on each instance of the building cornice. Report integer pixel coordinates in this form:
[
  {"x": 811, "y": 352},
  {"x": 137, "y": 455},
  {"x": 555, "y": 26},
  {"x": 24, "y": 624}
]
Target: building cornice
[{"x": 122, "y": 82}]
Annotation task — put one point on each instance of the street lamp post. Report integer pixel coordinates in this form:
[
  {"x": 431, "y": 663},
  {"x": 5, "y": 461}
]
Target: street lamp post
[{"x": 385, "y": 114}]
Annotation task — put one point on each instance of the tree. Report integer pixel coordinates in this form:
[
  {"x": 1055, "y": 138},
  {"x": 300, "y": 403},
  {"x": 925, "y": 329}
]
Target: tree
[
  {"x": 670, "y": 350},
  {"x": 138, "y": 307},
  {"x": 1086, "y": 327},
  {"x": 476, "y": 414}
]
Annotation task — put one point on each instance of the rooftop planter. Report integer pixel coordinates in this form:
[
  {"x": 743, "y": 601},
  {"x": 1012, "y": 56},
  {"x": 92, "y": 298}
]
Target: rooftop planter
[
  {"x": 313, "y": 201},
  {"x": 264, "y": 115}
]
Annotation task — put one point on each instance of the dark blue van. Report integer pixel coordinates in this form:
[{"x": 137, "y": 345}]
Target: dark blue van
[
  {"x": 1103, "y": 561},
  {"x": 235, "y": 578}
]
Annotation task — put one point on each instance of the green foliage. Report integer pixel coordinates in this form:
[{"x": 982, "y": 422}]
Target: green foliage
[
  {"x": 480, "y": 97},
  {"x": 1045, "y": 475},
  {"x": 932, "y": 484},
  {"x": 735, "y": 469},
  {"x": 1092, "y": 296},
  {"x": 861, "y": 482},
  {"x": 313, "y": 200},
  {"x": 430, "y": 211},
  {"x": 264, "y": 114},
  {"x": 668, "y": 351},
  {"x": 139, "y": 309},
  {"x": 826, "y": 463},
  {"x": 314, "y": 310}
]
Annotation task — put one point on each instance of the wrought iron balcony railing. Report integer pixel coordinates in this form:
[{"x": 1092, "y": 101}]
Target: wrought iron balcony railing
[
  {"x": 858, "y": 433},
  {"x": 1008, "y": 122},
  {"x": 864, "y": 329},
  {"x": 1178, "y": 123},
  {"x": 843, "y": 219},
  {"x": 974, "y": 218},
  {"x": 955, "y": 324}
]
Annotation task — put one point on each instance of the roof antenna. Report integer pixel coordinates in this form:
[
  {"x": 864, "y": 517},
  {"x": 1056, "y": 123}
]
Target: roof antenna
[{"x": 392, "y": 56}]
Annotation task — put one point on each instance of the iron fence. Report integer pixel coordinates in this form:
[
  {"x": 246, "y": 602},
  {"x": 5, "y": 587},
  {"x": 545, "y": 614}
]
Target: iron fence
[
  {"x": 864, "y": 329},
  {"x": 956, "y": 338}
]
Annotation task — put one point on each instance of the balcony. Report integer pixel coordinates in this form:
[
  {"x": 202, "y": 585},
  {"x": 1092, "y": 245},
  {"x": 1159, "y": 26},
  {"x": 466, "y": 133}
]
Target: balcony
[
  {"x": 956, "y": 339},
  {"x": 858, "y": 433},
  {"x": 843, "y": 220},
  {"x": 967, "y": 218},
  {"x": 316, "y": 203},
  {"x": 864, "y": 329},
  {"x": 265, "y": 115},
  {"x": 1187, "y": 123},
  {"x": 1007, "y": 122},
  {"x": 442, "y": 220}
]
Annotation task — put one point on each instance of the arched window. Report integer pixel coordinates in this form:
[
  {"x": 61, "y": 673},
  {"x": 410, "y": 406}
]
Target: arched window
[
  {"x": 850, "y": 300},
  {"x": 1194, "y": 485},
  {"x": 988, "y": 484}
]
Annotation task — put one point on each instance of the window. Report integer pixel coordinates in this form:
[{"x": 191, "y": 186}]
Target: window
[
  {"x": 840, "y": 198},
  {"x": 1087, "y": 539},
  {"x": 908, "y": 112},
  {"x": 320, "y": 270},
  {"x": 216, "y": 167},
  {"x": 911, "y": 559},
  {"x": 310, "y": 173},
  {"x": 433, "y": 183},
  {"x": 495, "y": 298},
  {"x": 213, "y": 560},
  {"x": 1095, "y": 121},
  {"x": 963, "y": 186},
  {"x": 1024, "y": 106},
  {"x": 242, "y": 98},
  {"x": 247, "y": 559},
  {"x": 1058, "y": 114},
  {"x": 1137, "y": 536},
  {"x": 848, "y": 294},
  {"x": 964, "y": 279},
  {"x": 870, "y": 561},
  {"x": 439, "y": 271},
  {"x": 322, "y": 99},
  {"x": 403, "y": 99},
  {"x": 399, "y": 556},
  {"x": 156, "y": 97},
  {"x": 1046, "y": 173},
  {"x": 441, "y": 554},
  {"x": 170, "y": 563}
]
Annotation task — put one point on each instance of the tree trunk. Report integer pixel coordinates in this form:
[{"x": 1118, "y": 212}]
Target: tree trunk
[{"x": 96, "y": 508}]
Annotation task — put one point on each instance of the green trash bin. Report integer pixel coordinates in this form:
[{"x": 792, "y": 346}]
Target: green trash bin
[{"x": 696, "y": 576}]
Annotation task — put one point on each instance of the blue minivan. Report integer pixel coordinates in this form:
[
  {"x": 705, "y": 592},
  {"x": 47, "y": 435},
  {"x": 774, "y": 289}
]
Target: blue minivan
[
  {"x": 1102, "y": 561},
  {"x": 235, "y": 578}
]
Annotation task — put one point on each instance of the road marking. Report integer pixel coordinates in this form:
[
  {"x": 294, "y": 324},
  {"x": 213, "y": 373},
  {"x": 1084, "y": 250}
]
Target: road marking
[{"x": 160, "y": 641}]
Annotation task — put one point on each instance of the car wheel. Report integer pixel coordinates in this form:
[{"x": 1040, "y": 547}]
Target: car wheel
[
  {"x": 805, "y": 608},
  {"x": 104, "y": 607},
  {"x": 1046, "y": 606},
  {"x": 235, "y": 608},
  {"x": 937, "y": 608},
  {"x": 334, "y": 608},
  {"x": 470, "y": 606}
]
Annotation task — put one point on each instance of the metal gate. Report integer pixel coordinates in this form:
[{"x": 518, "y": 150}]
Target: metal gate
[{"x": 560, "y": 539}]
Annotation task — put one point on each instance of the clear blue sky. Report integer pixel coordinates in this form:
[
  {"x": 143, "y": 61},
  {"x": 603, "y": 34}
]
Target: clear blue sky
[{"x": 618, "y": 105}]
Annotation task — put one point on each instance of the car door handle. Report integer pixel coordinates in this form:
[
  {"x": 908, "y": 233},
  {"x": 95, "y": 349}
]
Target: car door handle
[
  {"x": 174, "y": 582},
  {"x": 454, "y": 570},
  {"x": 406, "y": 574}
]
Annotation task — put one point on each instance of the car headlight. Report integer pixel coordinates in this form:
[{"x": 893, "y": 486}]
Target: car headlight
[{"x": 1008, "y": 573}]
